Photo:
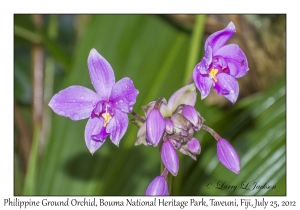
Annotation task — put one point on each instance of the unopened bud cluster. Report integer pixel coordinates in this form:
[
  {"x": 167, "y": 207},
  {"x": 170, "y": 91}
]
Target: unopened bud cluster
[{"x": 171, "y": 126}]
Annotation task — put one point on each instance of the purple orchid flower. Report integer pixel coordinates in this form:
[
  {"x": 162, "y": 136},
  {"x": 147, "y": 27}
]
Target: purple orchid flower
[
  {"x": 106, "y": 109},
  {"x": 221, "y": 65}
]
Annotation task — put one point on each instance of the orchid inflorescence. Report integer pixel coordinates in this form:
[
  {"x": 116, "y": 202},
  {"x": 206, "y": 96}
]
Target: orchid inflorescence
[{"x": 169, "y": 125}]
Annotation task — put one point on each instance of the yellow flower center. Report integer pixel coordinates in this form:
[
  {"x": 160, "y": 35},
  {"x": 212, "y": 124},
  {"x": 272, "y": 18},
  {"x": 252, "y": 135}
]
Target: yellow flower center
[
  {"x": 213, "y": 74},
  {"x": 106, "y": 116}
]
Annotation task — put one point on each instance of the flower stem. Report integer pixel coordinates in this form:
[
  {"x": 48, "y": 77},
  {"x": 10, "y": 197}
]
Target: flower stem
[
  {"x": 212, "y": 132},
  {"x": 137, "y": 116},
  {"x": 190, "y": 80},
  {"x": 157, "y": 103},
  {"x": 167, "y": 176},
  {"x": 165, "y": 172}
]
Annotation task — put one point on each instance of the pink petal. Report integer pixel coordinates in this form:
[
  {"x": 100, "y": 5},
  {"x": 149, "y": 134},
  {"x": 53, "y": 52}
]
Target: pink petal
[
  {"x": 101, "y": 74},
  {"x": 185, "y": 95},
  {"x": 123, "y": 95},
  {"x": 228, "y": 86},
  {"x": 117, "y": 126},
  {"x": 235, "y": 59},
  {"x": 203, "y": 66},
  {"x": 203, "y": 83},
  {"x": 220, "y": 38},
  {"x": 93, "y": 127},
  {"x": 75, "y": 102}
]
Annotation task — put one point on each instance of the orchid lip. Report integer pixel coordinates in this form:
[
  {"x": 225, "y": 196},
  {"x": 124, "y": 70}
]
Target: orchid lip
[{"x": 101, "y": 136}]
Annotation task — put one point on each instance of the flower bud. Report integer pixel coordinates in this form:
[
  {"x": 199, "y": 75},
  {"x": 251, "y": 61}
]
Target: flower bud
[
  {"x": 179, "y": 121},
  {"x": 194, "y": 146},
  {"x": 155, "y": 126},
  {"x": 169, "y": 126},
  {"x": 169, "y": 157},
  {"x": 158, "y": 186},
  {"x": 228, "y": 156},
  {"x": 191, "y": 114}
]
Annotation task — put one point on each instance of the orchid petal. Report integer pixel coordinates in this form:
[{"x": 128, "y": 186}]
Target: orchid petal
[
  {"x": 203, "y": 83},
  {"x": 203, "y": 66},
  {"x": 235, "y": 59},
  {"x": 93, "y": 127},
  {"x": 75, "y": 102},
  {"x": 101, "y": 74},
  {"x": 123, "y": 95},
  {"x": 228, "y": 86},
  {"x": 158, "y": 187},
  {"x": 220, "y": 38},
  {"x": 228, "y": 156},
  {"x": 164, "y": 110},
  {"x": 185, "y": 95},
  {"x": 117, "y": 126},
  {"x": 169, "y": 157}
]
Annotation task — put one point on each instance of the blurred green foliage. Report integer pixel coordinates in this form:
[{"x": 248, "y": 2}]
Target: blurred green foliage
[{"x": 154, "y": 54}]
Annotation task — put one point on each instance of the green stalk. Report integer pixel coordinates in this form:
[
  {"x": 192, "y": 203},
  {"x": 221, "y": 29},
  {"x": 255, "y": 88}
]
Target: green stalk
[
  {"x": 195, "y": 47},
  {"x": 31, "y": 173}
]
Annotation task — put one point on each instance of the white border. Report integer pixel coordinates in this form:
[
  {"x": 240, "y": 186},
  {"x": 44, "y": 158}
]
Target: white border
[{"x": 8, "y": 8}]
